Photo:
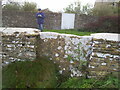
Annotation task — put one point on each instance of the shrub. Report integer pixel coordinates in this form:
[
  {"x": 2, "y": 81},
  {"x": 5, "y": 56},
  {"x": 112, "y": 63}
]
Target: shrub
[
  {"x": 12, "y": 6},
  {"x": 109, "y": 81},
  {"x": 107, "y": 24},
  {"x": 104, "y": 10},
  {"x": 29, "y": 6}
]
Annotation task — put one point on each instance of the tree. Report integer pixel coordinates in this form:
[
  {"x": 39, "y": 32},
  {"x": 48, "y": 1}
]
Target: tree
[
  {"x": 86, "y": 9},
  {"x": 29, "y": 6},
  {"x": 12, "y": 6},
  {"x": 15, "y": 6},
  {"x": 105, "y": 9},
  {"x": 76, "y": 7}
]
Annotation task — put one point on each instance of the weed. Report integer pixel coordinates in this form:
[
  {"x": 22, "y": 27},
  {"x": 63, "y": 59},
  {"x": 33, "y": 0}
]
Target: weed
[{"x": 39, "y": 73}]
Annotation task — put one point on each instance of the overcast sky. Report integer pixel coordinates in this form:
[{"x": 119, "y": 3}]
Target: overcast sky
[{"x": 55, "y": 5}]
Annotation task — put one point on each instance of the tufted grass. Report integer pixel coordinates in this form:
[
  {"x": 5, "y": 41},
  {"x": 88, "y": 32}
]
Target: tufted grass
[
  {"x": 29, "y": 74},
  {"x": 0, "y": 78},
  {"x": 106, "y": 83},
  {"x": 41, "y": 73},
  {"x": 70, "y": 31}
]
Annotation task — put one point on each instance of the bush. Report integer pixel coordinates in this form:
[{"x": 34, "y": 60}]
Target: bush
[
  {"x": 29, "y": 6},
  {"x": 109, "y": 81},
  {"x": 104, "y": 10},
  {"x": 107, "y": 24},
  {"x": 12, "y": 6}
]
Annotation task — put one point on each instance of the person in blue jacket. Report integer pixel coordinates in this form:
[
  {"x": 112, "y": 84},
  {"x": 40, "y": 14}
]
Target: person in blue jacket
[{"x": 40, "y": 19}]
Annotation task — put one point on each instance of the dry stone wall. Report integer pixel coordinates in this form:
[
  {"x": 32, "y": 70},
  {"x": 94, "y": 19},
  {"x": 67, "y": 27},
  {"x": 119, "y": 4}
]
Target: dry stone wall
[
  {"x": 81, "y": 20},
  {"x": 19, "y": 19},
  {"x": 105, "y": 56},
  {"x": 52, "y": 20},
  {"x": 28, "y": 20},
  {"x": 67, "y": 51},
  {"x": 18, "y": 46},
  {"x": 70, "y": 51},
  {"x": 74, "y": 55}
]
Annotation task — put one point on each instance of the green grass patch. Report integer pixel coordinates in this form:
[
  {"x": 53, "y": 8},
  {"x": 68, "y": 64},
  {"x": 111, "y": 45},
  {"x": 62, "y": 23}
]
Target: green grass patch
[
  {"x": 77, "y": 83},
  {"x": 0, "y": 78},
  {"x": 29, "y": 74},
  {"x": 41, "y": 73},
  {"x": 107, "y": 82},
  {"x": 70, "y": 31}
]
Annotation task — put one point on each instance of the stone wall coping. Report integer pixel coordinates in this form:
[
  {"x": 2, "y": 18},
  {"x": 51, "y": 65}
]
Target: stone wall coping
[
  {"x": 10, "y": 30},
  {"x": 107, "y": 36},
  {"x": 54, "y": 35},
  {"x": 33, "y": 31}
]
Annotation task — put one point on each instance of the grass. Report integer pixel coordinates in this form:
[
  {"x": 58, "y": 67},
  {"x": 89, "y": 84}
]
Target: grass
[
  {"x": 107, "y": 82},
  {"x": 0, "y": 78},
  {"x": 70, "y": 31},
  {"x": 29, "y": 74},
  {"x": 41, "y": 73}
]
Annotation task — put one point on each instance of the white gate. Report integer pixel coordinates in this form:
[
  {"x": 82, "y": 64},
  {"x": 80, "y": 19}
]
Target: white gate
[{"x": 67, "y": 21}]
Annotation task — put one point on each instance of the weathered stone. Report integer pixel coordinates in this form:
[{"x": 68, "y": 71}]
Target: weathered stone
[
  {"x": 65, "y": 50},
  {"x": 17, "y": 45},
  {"x": 106, "y": 51}
]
